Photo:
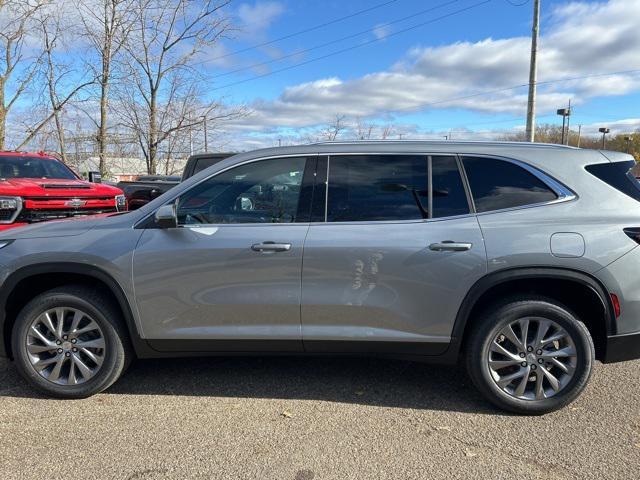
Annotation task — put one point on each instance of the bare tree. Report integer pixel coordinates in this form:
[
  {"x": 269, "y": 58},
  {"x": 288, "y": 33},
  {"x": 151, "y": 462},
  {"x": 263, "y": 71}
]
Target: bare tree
[
  {"x": 17, "y": 69},
  {"x": 335, "y": 128},
  {"x": 61, "y": 82},
  {"x": 54, "y": 72},
  {"x": 387, "y": 131},
  {"x": 164, "y": 93},
  {"x": 106, "y": 25},
  {"x": 364, "y": 130}
]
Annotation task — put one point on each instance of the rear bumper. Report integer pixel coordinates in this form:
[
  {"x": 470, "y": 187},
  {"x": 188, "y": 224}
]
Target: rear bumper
[{"x": 622, "y": 347}]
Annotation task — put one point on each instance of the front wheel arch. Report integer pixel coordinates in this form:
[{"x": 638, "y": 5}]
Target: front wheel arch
[{"x": 29, "y": 281}]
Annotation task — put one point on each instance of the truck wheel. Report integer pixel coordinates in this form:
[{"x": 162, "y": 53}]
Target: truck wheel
[
  {"x": 530, "y": 355},
  {"x": 70, "y": 342}
]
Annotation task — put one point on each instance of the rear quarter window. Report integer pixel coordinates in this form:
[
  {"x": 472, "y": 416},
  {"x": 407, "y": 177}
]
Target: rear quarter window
[
  {"x": 498, "y": 184},
  {"x": 618, "y": 175}
]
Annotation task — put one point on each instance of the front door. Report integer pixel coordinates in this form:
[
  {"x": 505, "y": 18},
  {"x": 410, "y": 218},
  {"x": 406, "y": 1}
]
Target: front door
[
  {"x": 228, "y": 278},
  {"x": 389, "y": 268}
]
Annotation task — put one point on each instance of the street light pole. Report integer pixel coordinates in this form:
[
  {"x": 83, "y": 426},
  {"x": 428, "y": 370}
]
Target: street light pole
[
  {"x": 565, "y": 112},
  {"x": 533, "y": 73},
  {"x": 604, "y": 132}
]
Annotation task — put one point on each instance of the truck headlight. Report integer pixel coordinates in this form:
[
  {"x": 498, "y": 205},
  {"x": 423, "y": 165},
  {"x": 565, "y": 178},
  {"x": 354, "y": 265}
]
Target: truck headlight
[{"x": 121, "y": 202}]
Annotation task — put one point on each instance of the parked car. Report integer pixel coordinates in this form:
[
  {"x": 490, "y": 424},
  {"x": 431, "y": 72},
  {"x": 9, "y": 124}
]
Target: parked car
[
  {"x": 35, "y": 187},
  {"x": 521, "y": 260},
  {"x": 148, "y": 187}
]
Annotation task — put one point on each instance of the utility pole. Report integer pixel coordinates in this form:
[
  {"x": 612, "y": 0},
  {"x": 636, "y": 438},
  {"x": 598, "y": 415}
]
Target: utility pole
[
  {"x": 533, "y": 73},
  {"x": 568, "y": 123},
  {"x": 579, "y": 134}
]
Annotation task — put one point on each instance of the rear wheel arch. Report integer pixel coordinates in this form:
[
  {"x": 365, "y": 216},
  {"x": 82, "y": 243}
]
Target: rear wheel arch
[
  {"x": 577, "y": 290},
  {"x": 29, "y": 281}
]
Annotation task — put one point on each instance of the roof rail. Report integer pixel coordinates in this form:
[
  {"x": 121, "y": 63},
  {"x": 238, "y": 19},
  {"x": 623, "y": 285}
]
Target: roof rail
[{"x": 448, "y": 142}]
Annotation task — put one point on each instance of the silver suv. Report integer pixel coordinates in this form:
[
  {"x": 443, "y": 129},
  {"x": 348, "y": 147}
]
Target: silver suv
[{"x": 520, "y": 259}]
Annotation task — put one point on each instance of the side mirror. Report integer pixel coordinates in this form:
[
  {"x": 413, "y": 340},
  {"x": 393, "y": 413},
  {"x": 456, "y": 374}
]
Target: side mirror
[
  {"x": 95, "y": 177},
  {"x": 166, "y": 216}
]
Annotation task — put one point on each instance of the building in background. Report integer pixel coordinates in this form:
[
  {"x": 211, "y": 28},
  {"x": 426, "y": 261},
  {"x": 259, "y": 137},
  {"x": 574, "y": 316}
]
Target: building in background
[{"x": 123, "y": 169}]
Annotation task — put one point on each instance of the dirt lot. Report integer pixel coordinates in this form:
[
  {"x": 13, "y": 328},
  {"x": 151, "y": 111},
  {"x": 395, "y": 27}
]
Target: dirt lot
[{"x": 303, "y": 419}]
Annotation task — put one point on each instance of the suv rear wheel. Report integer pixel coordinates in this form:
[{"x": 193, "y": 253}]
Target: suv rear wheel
[
  {"x": 530, "y": 355},
  {"x": 70, "y": 343}
]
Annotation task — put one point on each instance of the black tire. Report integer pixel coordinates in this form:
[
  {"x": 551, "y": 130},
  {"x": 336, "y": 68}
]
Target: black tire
[
  {"x": 488, "y": 327},
  {"x": 117, "y": 352}
]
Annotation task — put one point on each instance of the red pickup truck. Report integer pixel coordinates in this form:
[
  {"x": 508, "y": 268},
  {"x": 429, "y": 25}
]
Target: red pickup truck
[{"x": 35, "y": 187}]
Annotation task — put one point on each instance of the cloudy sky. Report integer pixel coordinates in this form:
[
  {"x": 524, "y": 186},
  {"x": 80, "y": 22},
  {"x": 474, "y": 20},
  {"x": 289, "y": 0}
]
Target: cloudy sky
[{"x": 425, "y": 66}]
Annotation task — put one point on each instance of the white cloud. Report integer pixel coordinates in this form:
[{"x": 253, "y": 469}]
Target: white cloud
[
  {"x": 381, "y": 31},
  {"x": 256, "y": 18},
  {"x": 581, "y": 39},
  {"x": 617, "y": 126}
]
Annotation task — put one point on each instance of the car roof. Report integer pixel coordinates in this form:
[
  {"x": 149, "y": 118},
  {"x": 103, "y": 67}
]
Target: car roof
[
  {"x": 42, "y": 155},
  {"x": 404, "y": 146},
  {"x": 197, "y": 156}
]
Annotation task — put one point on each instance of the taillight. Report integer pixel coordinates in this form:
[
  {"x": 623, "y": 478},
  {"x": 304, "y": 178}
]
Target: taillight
[
  {"x": 616, "y": 305},
  {"x": 633, "y": 233}
]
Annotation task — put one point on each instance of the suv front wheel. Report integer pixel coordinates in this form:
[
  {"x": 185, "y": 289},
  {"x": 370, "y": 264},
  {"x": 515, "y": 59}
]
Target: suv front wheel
[
  {"x": 530, "y": 355},
  {"x": 70, "y": 342}
]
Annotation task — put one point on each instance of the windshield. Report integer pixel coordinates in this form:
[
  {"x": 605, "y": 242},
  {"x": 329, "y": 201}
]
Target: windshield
[{"x": 33, "y": 167}]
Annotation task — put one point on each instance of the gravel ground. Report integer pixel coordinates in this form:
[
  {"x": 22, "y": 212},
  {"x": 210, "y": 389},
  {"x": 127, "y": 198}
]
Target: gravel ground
[{"x": 304, "y": 419}]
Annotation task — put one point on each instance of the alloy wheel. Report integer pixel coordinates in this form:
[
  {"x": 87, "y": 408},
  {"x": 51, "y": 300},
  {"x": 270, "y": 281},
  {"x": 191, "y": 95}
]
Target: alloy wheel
[
  {"x": 65, "y": 346},
  {"x": 532, "y": 358}
]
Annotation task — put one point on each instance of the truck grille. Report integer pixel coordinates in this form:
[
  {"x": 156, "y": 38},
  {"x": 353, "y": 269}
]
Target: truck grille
[{"x": 34, "y": 216}]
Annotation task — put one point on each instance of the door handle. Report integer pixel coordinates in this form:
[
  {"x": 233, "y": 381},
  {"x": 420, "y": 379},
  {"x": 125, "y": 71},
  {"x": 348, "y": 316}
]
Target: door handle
[
  {"x": 449, "y": 246},
  {"x": 271, "y": 247}
]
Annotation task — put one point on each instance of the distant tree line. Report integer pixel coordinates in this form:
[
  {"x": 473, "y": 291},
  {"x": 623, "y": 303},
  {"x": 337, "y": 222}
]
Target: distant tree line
[{"x": 621, "y": 142}]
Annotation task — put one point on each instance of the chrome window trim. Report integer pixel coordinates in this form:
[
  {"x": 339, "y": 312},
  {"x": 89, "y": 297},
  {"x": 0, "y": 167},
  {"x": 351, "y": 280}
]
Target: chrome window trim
[{"x": 563, "y": 192}]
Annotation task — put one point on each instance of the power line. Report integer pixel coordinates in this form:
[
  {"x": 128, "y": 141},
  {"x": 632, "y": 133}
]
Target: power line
[
  {"x": 353, "y": 47},
  {"x": 332, "y": 42},
  {"x": 306, "y": 30}
]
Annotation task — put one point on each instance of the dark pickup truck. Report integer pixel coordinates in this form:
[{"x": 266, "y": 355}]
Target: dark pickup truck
[{"x": 148, "y": 187}]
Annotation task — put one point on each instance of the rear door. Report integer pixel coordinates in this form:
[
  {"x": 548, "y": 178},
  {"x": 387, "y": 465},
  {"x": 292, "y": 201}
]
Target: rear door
[{"x": 388, "y": 266}]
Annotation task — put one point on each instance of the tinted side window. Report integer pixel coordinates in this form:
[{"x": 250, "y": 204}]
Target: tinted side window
[
  {"x": 200, "y": 165},
  {"x": 377, "y": 188},
  {"x": 497, "y": 184},
  {"x": 261, "y": 192},
  {"x": 449, "y": 196},
  {"x": 618, "y": 175}
]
